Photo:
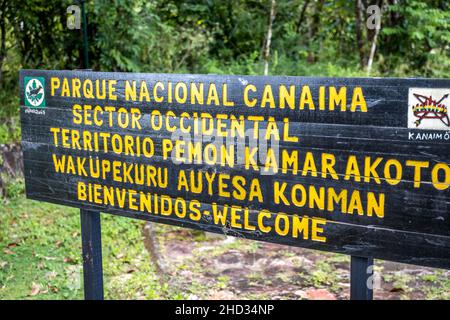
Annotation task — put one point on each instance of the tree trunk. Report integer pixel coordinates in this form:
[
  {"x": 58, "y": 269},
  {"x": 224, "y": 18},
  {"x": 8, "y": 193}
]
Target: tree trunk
[
  {"x": 302, "y": 15},
  {"x": 269, "y": 38},
  {"x": 2, "y": 38},
  {"x": 314, "y": 30},
  {"x": 394, "y": 17},
  {"x": 373, "y": 46},
  {"x": 359, "y": 32}
]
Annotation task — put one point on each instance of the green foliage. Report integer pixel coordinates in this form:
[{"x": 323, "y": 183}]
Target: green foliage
[
  {"x": 416, "y": 39},
  {"x": 40, "y": 256},
  {"x": 323, "y": 275},
  {"x": 14, "y": 187},
  {"x": 116, "y": 46},
  {"x": 225, "y": 36},
  {"x": 10, "y": 128}
]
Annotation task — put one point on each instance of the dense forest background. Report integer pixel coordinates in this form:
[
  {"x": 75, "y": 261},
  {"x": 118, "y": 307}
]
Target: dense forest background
[{"x": 299, "y": 37}]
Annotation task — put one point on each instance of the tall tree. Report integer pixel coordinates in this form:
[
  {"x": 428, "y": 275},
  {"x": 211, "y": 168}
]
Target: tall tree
[
  {"x": 314, "y": 30},
  {"x": 269, "y": 37},
  {"x": 359, "y": 13},
  {"x": 3, "y": 27},
  {"x": 375, "y": 33},
  {"x": 301, "y": 16}
]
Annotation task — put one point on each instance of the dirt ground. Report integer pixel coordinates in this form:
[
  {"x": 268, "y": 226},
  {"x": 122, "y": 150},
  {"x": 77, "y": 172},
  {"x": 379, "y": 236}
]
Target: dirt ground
[{"x": 207, "y": 266}]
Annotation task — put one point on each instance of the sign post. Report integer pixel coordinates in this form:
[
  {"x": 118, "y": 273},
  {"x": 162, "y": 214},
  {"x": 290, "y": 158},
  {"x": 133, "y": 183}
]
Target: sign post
[
  {"x": 91, "y": 240},
  {"x": 91, "y": 237},
  {"x": 361, "y": 273},
  {"x": 357, "y": 166}
]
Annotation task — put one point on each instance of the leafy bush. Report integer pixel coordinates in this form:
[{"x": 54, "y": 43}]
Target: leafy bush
[{"x": 310, "y": 38}]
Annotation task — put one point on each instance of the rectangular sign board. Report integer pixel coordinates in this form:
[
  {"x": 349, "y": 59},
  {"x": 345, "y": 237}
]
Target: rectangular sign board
[{"x": 358, "y": 166}]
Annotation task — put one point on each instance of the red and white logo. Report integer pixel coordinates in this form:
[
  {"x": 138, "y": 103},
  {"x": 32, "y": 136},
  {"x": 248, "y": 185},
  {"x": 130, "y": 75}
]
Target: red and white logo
[{"x": 428, "y": 108}]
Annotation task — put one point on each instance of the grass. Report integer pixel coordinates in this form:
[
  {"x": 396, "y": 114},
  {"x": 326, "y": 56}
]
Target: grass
[{"x": 40, "y": 255}]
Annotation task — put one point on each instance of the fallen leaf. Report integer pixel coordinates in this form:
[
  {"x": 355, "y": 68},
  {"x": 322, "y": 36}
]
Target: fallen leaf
[
  {"x": 35, "y": 289},
  {"x": 50, "y": 258},
  {"x": 8, "y": 251},
  {"x": 50, "y": 275},
  {"x": 319, "y": 294},
  {"x": 54, "y": 289},
  {"x": 223, "y": 295},
  {"x": 68, "y": 260},
  {"x": 12, "y": 244},
  {"x": 120, "y": 256},
  {"x": 344, "y": 284},
  {"x": 300, "y": 293},
  {"x": 396, "y": 290}
]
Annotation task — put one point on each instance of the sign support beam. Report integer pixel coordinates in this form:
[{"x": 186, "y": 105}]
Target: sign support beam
[
  {"x": 92, "y": 254},
  {"x": 361, "y": 270}
]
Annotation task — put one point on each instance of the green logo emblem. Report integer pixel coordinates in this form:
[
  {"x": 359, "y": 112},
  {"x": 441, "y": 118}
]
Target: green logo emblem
[{"x": 35, "y": 92}]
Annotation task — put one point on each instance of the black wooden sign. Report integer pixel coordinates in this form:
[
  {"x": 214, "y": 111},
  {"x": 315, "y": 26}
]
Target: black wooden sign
[{"x": 351, "y": 165}]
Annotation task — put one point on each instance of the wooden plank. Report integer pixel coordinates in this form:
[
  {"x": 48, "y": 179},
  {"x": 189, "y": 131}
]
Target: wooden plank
[
  {"x": 352, "y": 154},
  {"x": 403, "y": 209}
]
